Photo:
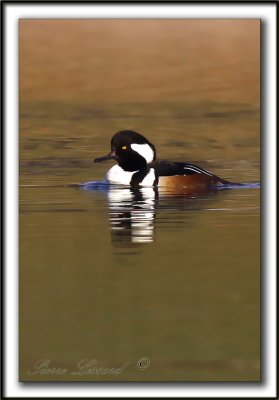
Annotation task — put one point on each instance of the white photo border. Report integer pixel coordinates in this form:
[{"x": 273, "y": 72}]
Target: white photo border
[{"x": 266, "y": 11}]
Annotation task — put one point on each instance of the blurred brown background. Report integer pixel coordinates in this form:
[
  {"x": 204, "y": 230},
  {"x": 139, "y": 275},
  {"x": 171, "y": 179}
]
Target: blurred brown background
[{"x": 127, "y": 60}]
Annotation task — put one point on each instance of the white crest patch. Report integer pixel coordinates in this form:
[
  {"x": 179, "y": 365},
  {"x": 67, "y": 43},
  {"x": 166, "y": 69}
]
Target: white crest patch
[
  {"x": 117, "y": 175},
  {"x": 144, "y": 150}
]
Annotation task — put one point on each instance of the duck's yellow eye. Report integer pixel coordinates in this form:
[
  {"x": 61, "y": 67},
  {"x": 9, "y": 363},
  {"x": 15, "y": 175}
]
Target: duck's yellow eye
[{"x": 124, "y": 147}]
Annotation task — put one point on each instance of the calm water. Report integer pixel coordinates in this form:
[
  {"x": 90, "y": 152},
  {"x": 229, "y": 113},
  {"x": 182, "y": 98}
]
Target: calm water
[
  {"x": 114, "y": 276},
  {"x": 109, "y": 278}
]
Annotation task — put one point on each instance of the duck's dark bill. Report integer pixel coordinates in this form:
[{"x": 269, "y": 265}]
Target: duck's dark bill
[{"x": 110, "y": 156}]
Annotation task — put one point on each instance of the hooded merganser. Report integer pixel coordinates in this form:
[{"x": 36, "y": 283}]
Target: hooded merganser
[{"x": 137, "y": 166}]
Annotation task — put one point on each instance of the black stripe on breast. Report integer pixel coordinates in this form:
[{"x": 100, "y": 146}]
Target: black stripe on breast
[{"x": 139, "y": 176}]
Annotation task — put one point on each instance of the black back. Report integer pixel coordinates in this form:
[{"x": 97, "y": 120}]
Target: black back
[{"x": 171, "y": 168}]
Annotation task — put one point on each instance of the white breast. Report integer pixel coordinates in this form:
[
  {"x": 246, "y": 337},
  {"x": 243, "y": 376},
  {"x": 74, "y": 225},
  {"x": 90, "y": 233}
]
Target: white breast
[
  {"x": 117, "y": 175},
  {"x": 149, "y": 179}
]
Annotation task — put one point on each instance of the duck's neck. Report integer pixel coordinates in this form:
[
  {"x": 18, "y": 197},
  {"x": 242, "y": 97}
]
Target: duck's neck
[{"x": 132, "y": 162}]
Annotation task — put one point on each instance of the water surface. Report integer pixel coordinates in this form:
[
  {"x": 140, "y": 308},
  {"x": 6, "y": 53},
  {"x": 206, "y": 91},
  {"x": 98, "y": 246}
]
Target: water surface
[
  {"x": 114, "y": 276},
  {"x": 108, "y": 277}
]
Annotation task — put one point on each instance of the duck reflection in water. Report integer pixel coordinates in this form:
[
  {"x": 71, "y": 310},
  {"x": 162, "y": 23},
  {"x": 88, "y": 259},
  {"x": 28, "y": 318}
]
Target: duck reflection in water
[
  {"x": 133, "y": 210},
  {"x": 132, "y": 214}
]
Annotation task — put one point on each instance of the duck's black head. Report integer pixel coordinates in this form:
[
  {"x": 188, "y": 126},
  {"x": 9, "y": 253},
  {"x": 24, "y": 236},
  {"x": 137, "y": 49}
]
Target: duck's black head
[{"x": 132, "y": 151}]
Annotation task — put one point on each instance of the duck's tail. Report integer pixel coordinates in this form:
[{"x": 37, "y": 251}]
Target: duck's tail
[{"x": 236, "y": 185}]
